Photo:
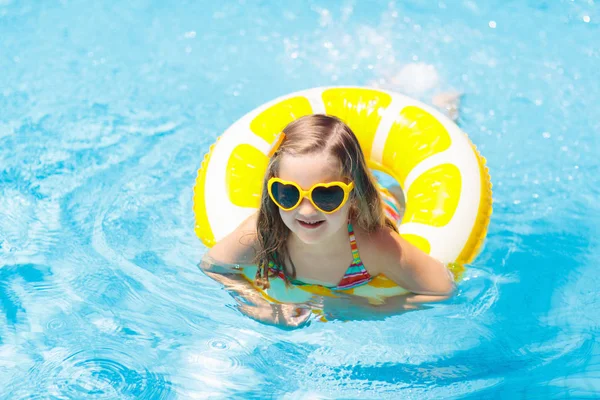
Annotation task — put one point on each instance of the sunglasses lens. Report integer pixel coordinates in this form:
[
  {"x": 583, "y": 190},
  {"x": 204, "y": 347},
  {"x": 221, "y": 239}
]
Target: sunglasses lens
[
  {"x": 286, "y": 196},
  {"x": 328, "y": 198}
]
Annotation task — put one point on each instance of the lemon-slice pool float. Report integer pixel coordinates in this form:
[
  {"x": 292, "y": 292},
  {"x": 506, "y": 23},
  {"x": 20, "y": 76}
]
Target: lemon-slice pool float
[{"x": 444, "y": 178}]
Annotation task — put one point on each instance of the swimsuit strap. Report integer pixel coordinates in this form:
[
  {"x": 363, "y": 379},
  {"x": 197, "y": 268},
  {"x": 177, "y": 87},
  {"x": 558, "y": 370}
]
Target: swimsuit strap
[
  {"x": 356, "y": 274},
  {"x": 353, "y": 246}
]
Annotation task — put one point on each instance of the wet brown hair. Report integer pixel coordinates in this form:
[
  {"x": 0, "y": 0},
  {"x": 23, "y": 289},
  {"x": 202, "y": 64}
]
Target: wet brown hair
[{"x": 315, "y": 134}]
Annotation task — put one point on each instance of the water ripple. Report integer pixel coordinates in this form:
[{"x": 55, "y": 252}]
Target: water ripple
[
  {"x": 55, "y": 324},
  {"x": 99, "y": 375},
  {"x": 223, "y": 366},
  {"x": 28, "y": 224}
]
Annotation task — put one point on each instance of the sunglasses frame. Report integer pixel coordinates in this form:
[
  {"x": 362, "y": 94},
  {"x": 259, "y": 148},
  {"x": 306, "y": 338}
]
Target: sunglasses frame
[{"x": 346, "y": 187}]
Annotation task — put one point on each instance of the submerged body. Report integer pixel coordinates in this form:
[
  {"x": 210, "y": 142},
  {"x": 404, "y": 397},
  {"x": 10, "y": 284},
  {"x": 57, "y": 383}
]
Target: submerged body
[{"x": 318, "y": 250}]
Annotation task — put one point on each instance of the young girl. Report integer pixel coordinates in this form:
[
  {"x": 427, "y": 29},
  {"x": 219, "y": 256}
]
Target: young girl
[{"x": 321, "y": 221}]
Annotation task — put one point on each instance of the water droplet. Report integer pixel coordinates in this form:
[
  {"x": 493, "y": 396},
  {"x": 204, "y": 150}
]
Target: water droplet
[
  {"x": 218, "y": 344},
  {"x": 56, "y": 324}
]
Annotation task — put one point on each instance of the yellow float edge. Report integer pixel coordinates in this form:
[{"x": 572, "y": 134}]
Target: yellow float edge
[
  {"x": 201, "y": 224},
  {"x": 484, "y": 213}
]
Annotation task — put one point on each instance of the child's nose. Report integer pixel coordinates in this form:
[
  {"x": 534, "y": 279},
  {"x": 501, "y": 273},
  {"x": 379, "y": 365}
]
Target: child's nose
[{"x": 306, "y": 208}]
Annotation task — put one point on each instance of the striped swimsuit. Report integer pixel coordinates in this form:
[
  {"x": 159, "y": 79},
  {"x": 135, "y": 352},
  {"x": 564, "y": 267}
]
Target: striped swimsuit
[{"x": 356, "y": 274}]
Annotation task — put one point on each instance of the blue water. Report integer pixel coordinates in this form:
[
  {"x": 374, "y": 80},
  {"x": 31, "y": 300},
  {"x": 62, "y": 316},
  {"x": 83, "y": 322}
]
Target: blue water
[{"x": 106, "y": 109}]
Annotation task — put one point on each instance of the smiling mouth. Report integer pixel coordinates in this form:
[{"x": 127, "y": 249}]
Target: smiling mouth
[{"x": 310, "y": 224}]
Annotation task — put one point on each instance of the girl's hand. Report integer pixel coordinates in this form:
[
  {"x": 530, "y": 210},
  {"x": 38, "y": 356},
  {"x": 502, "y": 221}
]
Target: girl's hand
[{"x": 286, "y": 316}]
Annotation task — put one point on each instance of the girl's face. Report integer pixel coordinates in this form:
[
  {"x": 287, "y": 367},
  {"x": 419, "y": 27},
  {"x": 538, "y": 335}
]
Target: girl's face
[{"x": 308, "y": 223}]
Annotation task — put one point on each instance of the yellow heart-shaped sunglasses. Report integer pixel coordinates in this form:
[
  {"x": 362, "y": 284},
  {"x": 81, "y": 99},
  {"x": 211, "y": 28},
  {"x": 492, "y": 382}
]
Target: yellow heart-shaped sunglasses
[{"x": 325, "y": 197}]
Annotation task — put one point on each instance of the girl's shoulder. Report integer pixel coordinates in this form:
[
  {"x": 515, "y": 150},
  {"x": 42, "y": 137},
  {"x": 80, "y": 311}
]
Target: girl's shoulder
[
  {"x": 386, "y": 252},
  {"x": 240, "y": 246}
]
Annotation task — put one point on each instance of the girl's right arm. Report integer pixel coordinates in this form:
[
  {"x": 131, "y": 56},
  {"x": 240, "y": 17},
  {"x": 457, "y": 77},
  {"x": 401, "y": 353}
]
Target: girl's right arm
[
  {"x": 240, "y": 248},
  {"x": 253, "y": 304},
  {"x": 223, "y": 261}
]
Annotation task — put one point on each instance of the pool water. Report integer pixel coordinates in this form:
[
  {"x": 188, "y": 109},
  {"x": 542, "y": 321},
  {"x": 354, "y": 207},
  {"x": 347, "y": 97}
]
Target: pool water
[{"x": 106, "y": 109}]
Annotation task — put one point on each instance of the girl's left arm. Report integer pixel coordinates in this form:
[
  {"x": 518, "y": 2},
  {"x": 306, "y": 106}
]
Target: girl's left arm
[{"x": 410, "y": 267}]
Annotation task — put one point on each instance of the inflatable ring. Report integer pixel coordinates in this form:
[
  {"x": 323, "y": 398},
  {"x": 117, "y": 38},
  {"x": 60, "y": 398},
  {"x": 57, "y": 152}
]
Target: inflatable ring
[{"x": 444, "y": 178}]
